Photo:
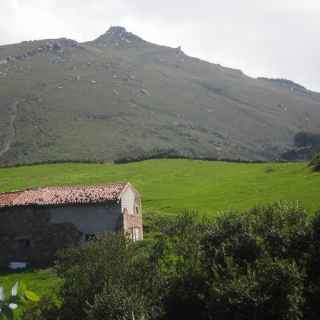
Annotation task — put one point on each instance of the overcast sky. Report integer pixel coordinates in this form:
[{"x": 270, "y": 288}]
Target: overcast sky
[{"x": 272, "y": 38}]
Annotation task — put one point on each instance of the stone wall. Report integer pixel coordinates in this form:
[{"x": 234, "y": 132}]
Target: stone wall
[
  {"x": 34, "y": 234},
  {"x": 132, "y": 222},
  {"x": 26, "y": 234},
  {"x": 89, "y": 219}
]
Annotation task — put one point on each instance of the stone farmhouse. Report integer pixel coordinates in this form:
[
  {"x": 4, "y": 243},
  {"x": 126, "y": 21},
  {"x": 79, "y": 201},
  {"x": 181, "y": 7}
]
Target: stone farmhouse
[{"x": 34, "y": 224}]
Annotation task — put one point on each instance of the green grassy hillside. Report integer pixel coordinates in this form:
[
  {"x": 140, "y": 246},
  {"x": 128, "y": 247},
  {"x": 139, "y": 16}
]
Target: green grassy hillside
[
  {"x": 169, "y": 186},
  {"x": 120, "y": 97}
]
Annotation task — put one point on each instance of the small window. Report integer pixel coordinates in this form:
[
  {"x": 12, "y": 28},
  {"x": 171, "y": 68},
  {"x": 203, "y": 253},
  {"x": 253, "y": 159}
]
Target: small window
[
  {"x": 90, "y": 237},
  {"x": 137, "y": 210},
  {"x": 24, "y": 243}
]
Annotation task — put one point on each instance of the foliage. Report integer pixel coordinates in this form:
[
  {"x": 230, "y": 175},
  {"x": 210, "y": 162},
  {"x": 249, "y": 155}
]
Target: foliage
[
  {"x": 267, "y": 289},
  {"x": 47, "y": 308},
  {"x": 99, "y": 275},
  {"x": 44, "y": 282},
  {"x": 315, "y": 163},
  {"x": 19, "y": 296},
  {"x": 115, "y": 303},
  {"x": 210, "y": 186},
  {"x": 232, "y": 268},
  {"x": 312, "y": 285},
  {"x": 256, "y": 263},
  {"x": 260, "y": 264}
]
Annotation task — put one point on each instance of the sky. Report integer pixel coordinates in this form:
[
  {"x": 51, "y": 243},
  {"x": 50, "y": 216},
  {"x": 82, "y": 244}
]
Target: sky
[{"x": 270, "y": 38}]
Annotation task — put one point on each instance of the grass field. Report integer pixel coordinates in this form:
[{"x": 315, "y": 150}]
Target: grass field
[{"x": 169, "y": 186}]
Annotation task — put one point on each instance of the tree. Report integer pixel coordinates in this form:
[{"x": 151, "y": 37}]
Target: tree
[
  {"x": 104, "y": 279},
  {"x": 315, "y": 163},
  {"x": 260, "y": 264}
]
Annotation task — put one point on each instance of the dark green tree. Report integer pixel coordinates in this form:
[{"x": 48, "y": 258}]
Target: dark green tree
[{"x": 315, "y": 163}]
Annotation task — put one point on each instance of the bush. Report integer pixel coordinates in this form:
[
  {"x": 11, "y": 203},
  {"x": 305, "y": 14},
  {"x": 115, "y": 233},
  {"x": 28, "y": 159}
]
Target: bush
[
  {"x": 257, "y": 262},
  {"x": 115, "y": 303},
  {"x": 100, "y": 274},
  {"x": 261, "y": 264},
  {"x": 268, "y": 289},
  {"x": 315, "y": 163},
  {"x": 279, "y": 231},
  {"x": 183, "y": 284},
  {"x": 312, "y": 283},
  {"x": 47, "y": 308}
]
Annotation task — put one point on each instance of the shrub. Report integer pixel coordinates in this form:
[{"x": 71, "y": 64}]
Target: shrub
[
  {"x": 241, "y": 266},
  {"x": 47, "y": 308},
  {"x": 19, "y": 297},
  {"x": 312, "y": 283},
  {"x": 99, "y": 274},
  {"x": 267, "y": 289},
  {"x": 183, "y": 285},
  {"x": 278, "y": 231},
  {"x": 315, "y": 163},
  {"x": 254, "y": 263},
  {"x": 115, "y": 303},
  {"x": 261, "y": 264}
]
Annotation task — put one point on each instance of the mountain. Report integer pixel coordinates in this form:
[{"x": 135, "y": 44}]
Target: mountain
[{"x": 121, "y": 97}]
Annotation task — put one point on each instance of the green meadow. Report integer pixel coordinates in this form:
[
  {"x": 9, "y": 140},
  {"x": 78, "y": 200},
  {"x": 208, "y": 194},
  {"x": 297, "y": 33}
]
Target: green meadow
[{"x": 170, "y": 186}]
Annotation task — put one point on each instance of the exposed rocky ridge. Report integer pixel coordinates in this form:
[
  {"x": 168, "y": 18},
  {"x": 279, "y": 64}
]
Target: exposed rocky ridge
[
  {"x": 33, "y": 48},
  {"x": 118, "y": 37},
  {"x": 121, "y": 97},
  {"x": 288, "y": 84}
]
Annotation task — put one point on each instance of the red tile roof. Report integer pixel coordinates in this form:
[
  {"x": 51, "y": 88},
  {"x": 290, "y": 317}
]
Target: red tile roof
[
  {"x": 63, "y": 195},
  {"x": 6, "y": 198}
]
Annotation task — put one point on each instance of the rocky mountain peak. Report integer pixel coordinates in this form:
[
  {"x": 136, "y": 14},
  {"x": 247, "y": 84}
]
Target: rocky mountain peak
[
  {"x": 118, "y": 36},
  {"x": 117, "y": 31}
]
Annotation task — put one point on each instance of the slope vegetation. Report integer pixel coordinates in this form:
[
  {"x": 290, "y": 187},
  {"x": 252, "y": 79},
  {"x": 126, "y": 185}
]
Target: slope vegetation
[
  {"x": 170, "y": 186},
  {"x": 121, "y": 97}
]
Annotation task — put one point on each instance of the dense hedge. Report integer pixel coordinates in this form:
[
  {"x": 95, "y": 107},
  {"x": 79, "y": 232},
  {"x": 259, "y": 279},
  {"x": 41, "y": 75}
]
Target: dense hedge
[{"x": 262, "y": 264}]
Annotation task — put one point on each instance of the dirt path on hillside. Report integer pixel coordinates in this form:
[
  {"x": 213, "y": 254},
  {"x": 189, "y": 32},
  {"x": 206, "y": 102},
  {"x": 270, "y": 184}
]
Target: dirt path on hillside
[{"x": 12, "y": 129}]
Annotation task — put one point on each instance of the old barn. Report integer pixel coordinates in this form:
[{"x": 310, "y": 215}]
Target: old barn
[{"x": 34, "y": 224}]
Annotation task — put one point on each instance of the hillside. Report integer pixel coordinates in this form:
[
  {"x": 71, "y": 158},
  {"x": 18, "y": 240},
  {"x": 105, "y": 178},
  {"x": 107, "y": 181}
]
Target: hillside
[
  {"x": 175, "y": 185},
  {"x": 121, "y": 97}
]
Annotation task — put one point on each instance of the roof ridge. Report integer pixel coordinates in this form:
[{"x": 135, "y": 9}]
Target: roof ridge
[
  {"x": 57, "y": 195},
  {"x": 11, "y": 192},
  {"x": 66, "y": 187}
]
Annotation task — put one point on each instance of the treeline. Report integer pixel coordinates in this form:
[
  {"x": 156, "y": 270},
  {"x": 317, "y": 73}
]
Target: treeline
[
  {"x": 130, "y": 159},
  {"x": 127, "y": 160},
  {"x": 261, "y": 264},
  {"x": 307, "y": 139},
  {"x": 153, "y": 154}
]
